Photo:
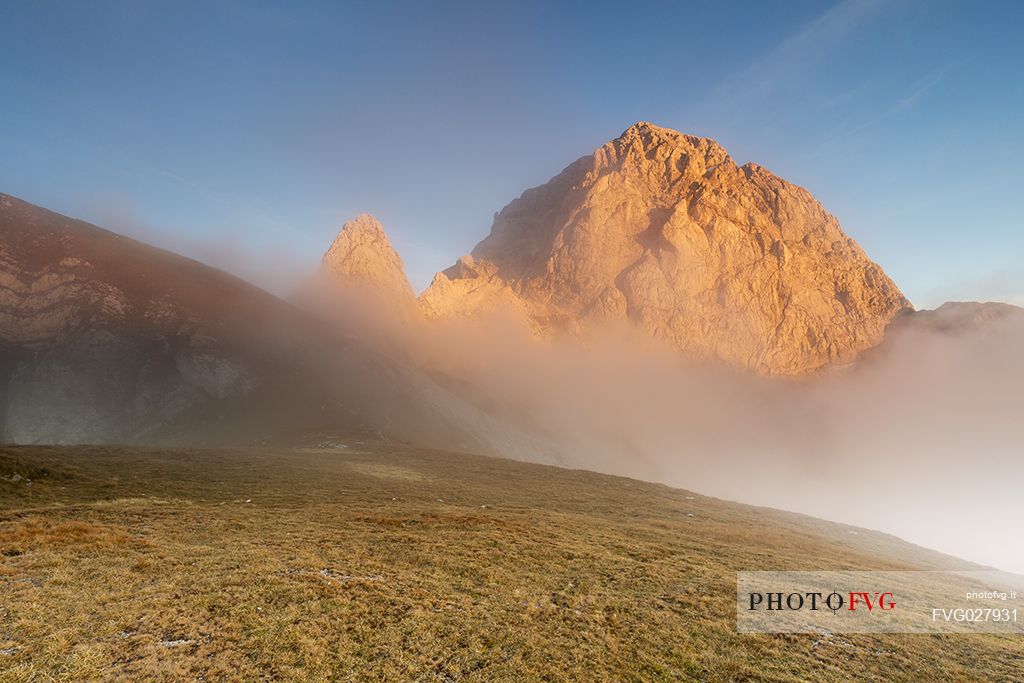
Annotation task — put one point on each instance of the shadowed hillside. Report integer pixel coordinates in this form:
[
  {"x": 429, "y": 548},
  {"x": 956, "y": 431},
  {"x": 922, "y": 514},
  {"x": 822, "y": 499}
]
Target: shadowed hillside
[{"x": 105, "y": 339}]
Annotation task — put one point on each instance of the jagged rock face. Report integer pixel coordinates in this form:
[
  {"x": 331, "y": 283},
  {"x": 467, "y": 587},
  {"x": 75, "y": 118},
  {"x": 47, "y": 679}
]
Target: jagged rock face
[
  {"x": 664, "y": 230},
  {"x": 362, "y": 257}
]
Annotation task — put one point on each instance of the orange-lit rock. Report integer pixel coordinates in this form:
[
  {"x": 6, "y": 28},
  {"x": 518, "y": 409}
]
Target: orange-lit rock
[{"x": 666, "y": 231}]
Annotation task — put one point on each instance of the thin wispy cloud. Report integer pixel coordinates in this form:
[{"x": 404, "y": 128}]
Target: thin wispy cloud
[
  {"x": 788, "y": 62},
  {"x": 914, "y": 94},
  {"x": 926, "y": 84}
]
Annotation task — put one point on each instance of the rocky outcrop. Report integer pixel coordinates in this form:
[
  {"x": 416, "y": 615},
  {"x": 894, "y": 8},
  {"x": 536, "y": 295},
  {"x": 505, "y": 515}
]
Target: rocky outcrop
[
  {"x": 666, "y": 231},
  {"x": 103, "y": 336},
  {"x": 362, "y": 258}
]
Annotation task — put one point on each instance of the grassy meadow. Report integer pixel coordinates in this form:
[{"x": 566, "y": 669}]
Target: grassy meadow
[{"x": 369, "y": 561}]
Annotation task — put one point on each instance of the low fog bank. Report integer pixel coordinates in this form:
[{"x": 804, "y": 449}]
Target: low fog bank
[{"x": 922, "y": 438}]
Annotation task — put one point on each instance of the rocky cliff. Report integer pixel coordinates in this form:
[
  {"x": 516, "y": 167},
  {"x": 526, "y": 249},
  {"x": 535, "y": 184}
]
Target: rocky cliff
[{"x": 666, "y": 231}]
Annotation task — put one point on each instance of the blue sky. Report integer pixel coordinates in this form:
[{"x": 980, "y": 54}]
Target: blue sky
[{"x": 246, "y": 133}]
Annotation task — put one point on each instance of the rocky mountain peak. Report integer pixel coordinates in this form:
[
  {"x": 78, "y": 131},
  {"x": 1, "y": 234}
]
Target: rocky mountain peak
[
  {"x": 363, "y": 226},
  {"x": 362, "y": 255},
  {"x": 686, "y": 155},
  {"x": 664, "y": 230}
]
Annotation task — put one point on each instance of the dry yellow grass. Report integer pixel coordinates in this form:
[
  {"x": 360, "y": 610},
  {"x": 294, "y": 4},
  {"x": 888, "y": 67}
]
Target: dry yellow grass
[{"x": 385, "y": 563}]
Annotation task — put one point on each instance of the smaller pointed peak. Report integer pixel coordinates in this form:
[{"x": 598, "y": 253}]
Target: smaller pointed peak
[
  {"x": 362, "y": 253},
  {"x": 362, "y": 235},
  {"x": 362, "y": 232},
  {"x": 364, "y": 223}
]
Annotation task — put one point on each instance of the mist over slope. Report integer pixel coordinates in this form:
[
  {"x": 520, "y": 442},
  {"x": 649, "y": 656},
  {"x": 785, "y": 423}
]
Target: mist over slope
[
  {"x": 921, "y": 438},
  {"x": 104, "y": 339}
]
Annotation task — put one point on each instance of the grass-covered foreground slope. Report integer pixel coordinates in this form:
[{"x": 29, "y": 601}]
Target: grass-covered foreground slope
[{"x": 376, "y": 562}]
